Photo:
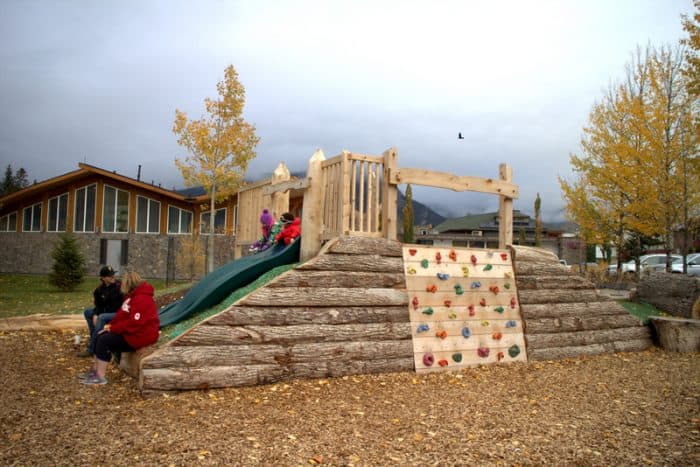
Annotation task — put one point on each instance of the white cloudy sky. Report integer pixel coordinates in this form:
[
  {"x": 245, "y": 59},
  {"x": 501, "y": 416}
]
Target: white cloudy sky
[{"x": 100, "y": 82}]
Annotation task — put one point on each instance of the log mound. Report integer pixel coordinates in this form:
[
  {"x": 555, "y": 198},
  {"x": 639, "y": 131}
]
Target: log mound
[{"x": 565, "y": 316}]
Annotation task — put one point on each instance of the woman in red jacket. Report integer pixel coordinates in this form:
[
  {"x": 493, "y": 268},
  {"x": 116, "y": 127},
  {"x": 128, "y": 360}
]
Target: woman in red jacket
[{"x": 134, "y": 326}]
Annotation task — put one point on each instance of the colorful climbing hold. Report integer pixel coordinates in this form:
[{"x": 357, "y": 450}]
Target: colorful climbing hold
[
  {"x": 457, "y": 357},
  {"x": 466, "y": 333},
  {"x": 438, "y": 257},
  {"x": 473, "y": 259},
  {"x": 507, "y": 285},
  {"x": 428, "y": 359},
  {"x": 465, "y": 271},
  {"x": 424, "y": 263},
  {"x": 442, "y": 334},
  {"x": 494, "y": 289},
  {"x": 448, "y": 303},
  {"x": 484, "y": 323},
  {"x": 499, "y": 357},
  {"x": 482, "y": 302},
  {"x": 452, "y": 315},
  {"x": 423, "y": 328},
  {"x": 508, "y": 275},
  {"x": 488, "y": 267},
  {"x": 443, "y": 276},
  {"x": 511, "y": 323},
  {"x": 428, "y": 311},
  {"x": 412, "y": 251},
  {"x": 458, "y": 289},
  {"x": 453, "y": 255},
  {"x": 499, "y": 309},
  {"x": 483, "y": 352},
  {"x": 432, "y": 288},
  {"x": 476, "y": 284},
  {"x": 415, "y": 303},
  {"x": 497, "y": 336},
  {"x": 443, "y": 362},
  {"x": 504, "y": 256},
  {"x": 514, "y": 351},
  {"x": 513, "y": 302},
  {"x": 471, "y": 310},
  {"x": 411, "y": 270}
]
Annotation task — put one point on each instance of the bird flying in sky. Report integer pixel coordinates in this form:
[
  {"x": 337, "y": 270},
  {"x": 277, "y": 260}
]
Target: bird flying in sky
[{"x": 459, "y": 135}]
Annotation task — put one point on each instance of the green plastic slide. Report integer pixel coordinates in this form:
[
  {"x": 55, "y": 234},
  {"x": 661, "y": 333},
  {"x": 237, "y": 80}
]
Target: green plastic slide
[{"x": 218, "y": 285}]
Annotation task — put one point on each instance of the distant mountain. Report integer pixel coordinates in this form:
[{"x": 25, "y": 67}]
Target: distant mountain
[{"x": 422, "y": 214}]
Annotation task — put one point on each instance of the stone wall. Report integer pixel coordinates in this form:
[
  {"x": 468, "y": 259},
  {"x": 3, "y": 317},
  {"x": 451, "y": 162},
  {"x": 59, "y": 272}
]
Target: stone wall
[
  {"x": 30, "y": 253},
  {"x": 671, "y": 293}
]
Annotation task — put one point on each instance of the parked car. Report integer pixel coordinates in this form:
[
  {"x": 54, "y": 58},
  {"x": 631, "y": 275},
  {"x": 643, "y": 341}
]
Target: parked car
[
  {"x": 655, "y": 262},
  {"x": 693, "y": 262}
]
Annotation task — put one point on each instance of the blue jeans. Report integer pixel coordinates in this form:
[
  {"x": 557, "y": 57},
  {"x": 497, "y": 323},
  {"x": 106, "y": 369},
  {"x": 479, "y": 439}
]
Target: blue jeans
[{"x": 95, "y": 328}]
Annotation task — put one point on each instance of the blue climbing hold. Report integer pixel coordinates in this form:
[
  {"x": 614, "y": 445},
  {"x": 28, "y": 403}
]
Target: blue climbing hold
[
  {"x": 476, "y": 285},
  {"x": 466, "y": 333},
  {"x": 423, "y": 328},
  {"x": 511, "y": 324},
  {"x": 443, "y": 276}
]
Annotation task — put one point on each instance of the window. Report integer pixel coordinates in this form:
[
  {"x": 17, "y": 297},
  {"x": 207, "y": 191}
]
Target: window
[
  {"x": 58, "y": 210},
  {"x": 179, "y": 221},
  {"x": 84, "y": 220},
  {"x": 8, "y": 222},
  {"x": 219, "y": 222},
  {"x": 147, "y": 215},
  {"x": 115, "y": 210},
  {"x": 32, "y": 218}
]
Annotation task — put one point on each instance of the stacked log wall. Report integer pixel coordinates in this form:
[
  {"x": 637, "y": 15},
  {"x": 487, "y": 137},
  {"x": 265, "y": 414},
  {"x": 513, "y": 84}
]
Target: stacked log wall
[
  {"x": 343, "y": 312},
  {"x": 564, "y": 316}
]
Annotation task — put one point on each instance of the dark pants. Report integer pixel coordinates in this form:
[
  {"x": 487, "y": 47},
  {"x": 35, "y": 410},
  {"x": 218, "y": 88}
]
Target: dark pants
[{"x": 108, "y": 343}]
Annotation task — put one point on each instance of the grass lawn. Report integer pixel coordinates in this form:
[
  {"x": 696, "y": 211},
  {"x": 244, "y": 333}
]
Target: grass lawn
[{"x": 22, "y": 295}]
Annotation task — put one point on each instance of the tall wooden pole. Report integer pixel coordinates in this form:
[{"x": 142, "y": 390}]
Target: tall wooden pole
[
  {"x": 505, "y": 210},
  {"x": 312, "y": 213}
]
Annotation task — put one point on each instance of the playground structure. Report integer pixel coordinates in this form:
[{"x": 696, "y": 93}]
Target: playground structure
[{"x": 348, "y": 307}]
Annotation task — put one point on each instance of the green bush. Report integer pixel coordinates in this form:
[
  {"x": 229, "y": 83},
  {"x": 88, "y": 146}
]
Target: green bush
[{"x": 69, "y": 265}]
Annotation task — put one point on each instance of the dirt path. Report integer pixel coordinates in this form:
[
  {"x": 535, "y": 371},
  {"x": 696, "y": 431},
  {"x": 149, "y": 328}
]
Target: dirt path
[{"x": 619, "y": 409}]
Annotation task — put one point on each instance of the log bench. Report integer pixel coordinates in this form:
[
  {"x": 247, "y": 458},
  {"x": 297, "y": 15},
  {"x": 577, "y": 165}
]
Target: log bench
[
  {"x": 130, "y": 362},
  {"x": 677, "y": 334}
]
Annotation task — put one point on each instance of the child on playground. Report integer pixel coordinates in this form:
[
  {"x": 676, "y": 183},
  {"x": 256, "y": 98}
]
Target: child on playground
[
  {"x": 134, "y": 326},
  {"x": 269, "y": 229},
  {"x": 107, "y": 298},
  {"x": 291, "y": 228}
]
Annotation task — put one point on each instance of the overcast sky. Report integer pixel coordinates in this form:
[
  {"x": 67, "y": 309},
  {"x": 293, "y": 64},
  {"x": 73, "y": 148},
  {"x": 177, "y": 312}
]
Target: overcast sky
[{"x": 99, "y": 81}]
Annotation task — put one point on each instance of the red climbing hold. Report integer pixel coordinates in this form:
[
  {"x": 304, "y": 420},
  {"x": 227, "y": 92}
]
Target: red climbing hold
[
  {"x": 483, "y": 352},
  {"x": 453, "y": 255},
  {"x": 513, "y": 302},
  {"x": 442, "y": 362},
  {"x": 473, "y": 258},
  {"x": 494, "y": 289},
  {"x": 414, "y": 302},
  {"x": 504, "y": 256},
  {"x": 448, "y": 303},
  {"x": 500, "y": 356},
  {"x": 497, "y": 336},
  {"x": 428, "y": 359},
  {"x": 442, "y": 334},
  {"x": 412, "y": 252},
  {"x": 471, "y": 310},
  {"x": 432, "y": 288},
  {"x": 438, "y": 257},
  {"x": 482, "y": 302}
]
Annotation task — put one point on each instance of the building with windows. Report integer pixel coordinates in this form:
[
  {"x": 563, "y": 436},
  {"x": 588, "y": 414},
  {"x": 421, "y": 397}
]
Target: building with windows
[{"x": 117, "y": 220}]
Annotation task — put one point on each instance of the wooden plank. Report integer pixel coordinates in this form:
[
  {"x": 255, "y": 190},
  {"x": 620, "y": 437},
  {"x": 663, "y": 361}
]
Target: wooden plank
[
  {"x": 557, "y": 310},
  {"x": 580, "y": 323},
  {"x": 284, "y": 316},
  {"x": 389, "y": 196},
  {"x": 335, "y": 160},
  {"x": 505, "y": 209},
  {"x": 555, "y": 353},
  {"x": 369, "y": 263},
  {"x": 559, "y": 296},
  {"x": 553, "y": 282},
  {"x": 366, "y": 158},
  {"x": 227, "y": 335},
  {"x": 571, "y": 339},
  {"x": 469, "y": 359},
  {"x": 434, "y": 344},
  {"x": 312, "y": 214},
  {"x": 353, "y": 194},
  {"x": 353, "y": 245},
  {"x": 171, "y": 379},
  {"x": 307, "y": 278},
  {"x": 361, "y": 205},
  {"x": 437, "y": 299},
  {"x": 452, "y": 182},
  {"x": 332, "y": 296},
  {"x": 217, "y": 355},
  {"x": 281, "y": 187},
  {"x": 346, "y": 351}
]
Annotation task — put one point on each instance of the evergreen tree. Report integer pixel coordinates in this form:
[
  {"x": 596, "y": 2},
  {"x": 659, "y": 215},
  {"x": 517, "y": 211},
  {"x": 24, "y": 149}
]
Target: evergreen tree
[
  {"x": 538, "y": 221},
  {"x": 12, "y": 182},
  {"x": 408, "y": 236},
  {"x": 69, "y": 265}
]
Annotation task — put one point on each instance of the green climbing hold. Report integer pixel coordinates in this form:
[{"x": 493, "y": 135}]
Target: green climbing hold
[
  {"x": 507, "y": 285},
  {"x": 457, "y": 357},
  {"x": 499, "y": 309},
  {"x": 513, "y": 351},
  {"x": 488, "y": 267},
  {"x": 424, "y": 263},
  {"x": 428, "y": 311},
  {"x": 458, "y": 289}
]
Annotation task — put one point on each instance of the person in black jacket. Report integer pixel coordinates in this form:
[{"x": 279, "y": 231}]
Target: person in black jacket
[{"x": 108, "y": 297}]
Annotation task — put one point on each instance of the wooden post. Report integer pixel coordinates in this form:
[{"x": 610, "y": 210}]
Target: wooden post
[
  {"x": 389, "y": 195},
  {"x": 280, "y": 201},
  {"x": 505, "y": 210},
  {"x": 344, "y": 198},
  {"x": 312, "y": 212}
]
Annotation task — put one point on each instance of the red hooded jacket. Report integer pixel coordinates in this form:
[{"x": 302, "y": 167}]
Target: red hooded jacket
[
  {"x": 290, "y": 232},
  {"x": 137, "y": 320}
]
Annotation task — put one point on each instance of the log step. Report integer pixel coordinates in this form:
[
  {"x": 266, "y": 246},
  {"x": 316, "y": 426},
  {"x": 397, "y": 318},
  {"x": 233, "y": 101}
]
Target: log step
[
  {"x": 563, "y": 310},
  {"x": 554, "y": 353},
  {"x": 582, "y": 338},
  {"x": 580, "y": 323}
]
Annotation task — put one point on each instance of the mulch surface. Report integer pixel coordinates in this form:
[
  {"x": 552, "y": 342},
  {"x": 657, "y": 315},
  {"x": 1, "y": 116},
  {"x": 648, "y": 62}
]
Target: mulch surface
[{"x": 621, "y": 409}]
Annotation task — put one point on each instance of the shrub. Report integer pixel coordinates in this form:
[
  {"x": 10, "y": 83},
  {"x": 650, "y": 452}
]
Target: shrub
[{"x": 69, "y": 264}]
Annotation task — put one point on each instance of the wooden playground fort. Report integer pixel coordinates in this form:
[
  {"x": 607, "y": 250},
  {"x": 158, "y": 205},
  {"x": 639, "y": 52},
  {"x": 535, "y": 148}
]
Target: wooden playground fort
[{"x": 362, "y": 302}]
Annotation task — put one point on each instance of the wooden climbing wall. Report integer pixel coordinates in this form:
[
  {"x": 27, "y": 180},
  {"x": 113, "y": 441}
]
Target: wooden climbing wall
[{"x": 463, "y": 307}]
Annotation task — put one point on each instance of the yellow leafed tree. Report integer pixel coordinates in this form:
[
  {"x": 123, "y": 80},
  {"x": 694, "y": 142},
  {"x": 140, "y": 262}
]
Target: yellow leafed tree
[
  {"x": 692, "y": 43},
  {"x": 220, "y": 146}
]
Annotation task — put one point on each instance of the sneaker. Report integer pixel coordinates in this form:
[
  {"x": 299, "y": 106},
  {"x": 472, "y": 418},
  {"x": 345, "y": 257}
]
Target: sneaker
[
  {"x": 87, "y": 374},
  {"x": 94, "y": 380},
  {"x": 83, "y": 354}
]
